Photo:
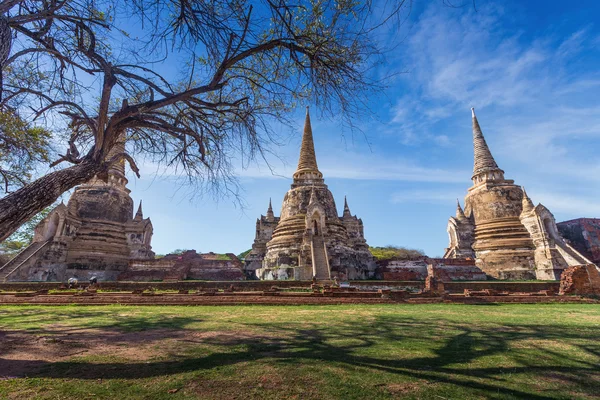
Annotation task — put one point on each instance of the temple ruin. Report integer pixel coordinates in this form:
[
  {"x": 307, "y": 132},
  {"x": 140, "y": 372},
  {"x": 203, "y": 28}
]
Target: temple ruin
[
  {"x": 584, "y": 235},
  {"x": 309, "y": 239},
  {"x": 500, "y": 227},
  {"x": 95, "y": 234}
]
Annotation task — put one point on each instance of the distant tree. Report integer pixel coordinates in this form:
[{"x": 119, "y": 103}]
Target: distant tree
[
  {"x": 179, "y": 251},
  {"x": 194, "y": 84},
  {"x": 23, "y": 236},
  {"x": 22, "y": 147},
  {"x": 395, "y": 253},
  {"x": 243, "y": 254}
]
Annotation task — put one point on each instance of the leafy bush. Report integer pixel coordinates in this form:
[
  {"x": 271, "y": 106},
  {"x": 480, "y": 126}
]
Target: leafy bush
[
  {"x": 243, "y": 255},
  {"x": 395, "y": 253}
]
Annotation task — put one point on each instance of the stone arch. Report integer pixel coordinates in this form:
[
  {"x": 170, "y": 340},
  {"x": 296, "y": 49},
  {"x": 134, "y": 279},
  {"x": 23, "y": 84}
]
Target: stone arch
[{"x": 315, "y": 222}]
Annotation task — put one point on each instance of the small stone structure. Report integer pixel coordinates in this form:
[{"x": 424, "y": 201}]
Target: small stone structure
[
  {"x": 309, "y": 239},
  {"x": 580, "y": 280},
  {"x": 95, "y": 234},
  {"x": 500, "y": 228},
  {"x": 584, "y": 235},
  {"x": 265, "y": 225}
]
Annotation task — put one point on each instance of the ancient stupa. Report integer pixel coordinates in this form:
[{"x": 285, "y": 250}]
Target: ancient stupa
[
  {"x": 95, "y": 234},
  {"x": 309, "y": 239},
  {"x": 508, "y": 236}
]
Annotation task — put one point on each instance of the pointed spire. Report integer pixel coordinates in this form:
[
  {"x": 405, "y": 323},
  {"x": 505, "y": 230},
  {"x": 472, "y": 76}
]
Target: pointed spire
[
  {"x": 308, "y": 159},
  {"x": 270, "y": 214},
  {"x": 308, "y": 171},
  {"x": 460, "y": 214},
  {"x": 484, "y": 161},
  {"x": 346, "y": 208},
  {"x": 527, "y": 203},
  {"x": 139, "y": 214}
]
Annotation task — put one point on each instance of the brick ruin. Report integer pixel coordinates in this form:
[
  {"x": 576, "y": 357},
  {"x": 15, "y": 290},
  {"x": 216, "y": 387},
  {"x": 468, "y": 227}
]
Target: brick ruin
[
  {"x": 581, "y": 280},
  {"x": 447, "y": 269},
  {"x": 309, "y": 239},
  {"x": 500, "y": 227},
  {"x": 584, "y": 235},
  {"x": 188, "y": 265}
]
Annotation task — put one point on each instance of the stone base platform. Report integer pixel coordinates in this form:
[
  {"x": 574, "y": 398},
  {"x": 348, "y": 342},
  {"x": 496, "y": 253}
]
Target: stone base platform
[
  {"x": 457, "y": 287},
  {"x": 273, "y": 298}
]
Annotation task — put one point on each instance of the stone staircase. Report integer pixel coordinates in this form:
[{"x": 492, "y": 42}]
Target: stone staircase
[
  {"x": 21, "y": 259},
  {"x": 319, "y": 253},
  {"x": 571, "y": 256}
]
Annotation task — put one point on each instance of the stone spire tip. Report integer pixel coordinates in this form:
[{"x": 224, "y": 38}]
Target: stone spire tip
[
  {"x": 527, "y": 203},
  {"x": 307, "y": 163},
  {"x": 346, "y": 208},
  {"x": 139, "y": 214},
  {"x": 484, "y": 161},
  {"x": 460, "y": 214}
]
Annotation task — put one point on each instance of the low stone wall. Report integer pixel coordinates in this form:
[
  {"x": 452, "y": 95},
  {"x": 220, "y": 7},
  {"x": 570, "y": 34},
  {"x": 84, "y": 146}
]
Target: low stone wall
[
  {"x": 188, "y": 265},
  {"x": 523, "y": 287},
  {"x": 450, "y": 269},
  {"x": 452, "y": 287}
]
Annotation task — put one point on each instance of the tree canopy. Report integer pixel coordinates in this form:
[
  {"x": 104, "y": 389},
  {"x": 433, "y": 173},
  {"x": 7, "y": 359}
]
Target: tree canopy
[
  {"x": 194, "y": 85},
  {"x": 390, "y": 252}
]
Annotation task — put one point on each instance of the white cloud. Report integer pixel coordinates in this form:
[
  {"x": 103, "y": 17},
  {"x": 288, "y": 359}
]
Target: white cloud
[
  {"x": 568, "y": 205},
  {"x": 338, "y": 164},
  {"x": 372, "y": 166}
]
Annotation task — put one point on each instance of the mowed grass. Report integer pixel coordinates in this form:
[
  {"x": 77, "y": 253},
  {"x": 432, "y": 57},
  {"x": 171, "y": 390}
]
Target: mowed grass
[{"x": 546, "y": 351}]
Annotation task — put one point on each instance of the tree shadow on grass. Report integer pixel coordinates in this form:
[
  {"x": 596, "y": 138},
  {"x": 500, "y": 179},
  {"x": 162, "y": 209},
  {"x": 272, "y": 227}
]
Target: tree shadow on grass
[
  {"x": 79, "y": 319},
  {"x": 457, "y": 353}
]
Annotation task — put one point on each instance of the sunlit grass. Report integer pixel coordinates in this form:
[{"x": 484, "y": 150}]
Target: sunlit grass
[{"x": 546, "y": 351}]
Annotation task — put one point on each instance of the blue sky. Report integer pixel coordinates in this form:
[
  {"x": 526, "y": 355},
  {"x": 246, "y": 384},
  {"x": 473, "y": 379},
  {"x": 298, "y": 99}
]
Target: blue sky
[{"x": 532, "y": 71}]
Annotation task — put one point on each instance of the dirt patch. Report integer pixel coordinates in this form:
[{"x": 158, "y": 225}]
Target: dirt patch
[{"x": 22, "y": 353}]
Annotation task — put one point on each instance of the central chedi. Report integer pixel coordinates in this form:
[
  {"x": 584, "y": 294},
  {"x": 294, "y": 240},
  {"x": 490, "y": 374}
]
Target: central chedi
[{"x": 309, "y": 239}]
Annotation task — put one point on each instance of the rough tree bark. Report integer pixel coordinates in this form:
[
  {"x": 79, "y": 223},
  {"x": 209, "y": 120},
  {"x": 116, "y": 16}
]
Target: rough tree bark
[{"x": 20, "y": 206}]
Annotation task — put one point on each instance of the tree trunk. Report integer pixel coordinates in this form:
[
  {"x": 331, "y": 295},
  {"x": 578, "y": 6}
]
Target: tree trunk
[{"x": 20, "y": 206}]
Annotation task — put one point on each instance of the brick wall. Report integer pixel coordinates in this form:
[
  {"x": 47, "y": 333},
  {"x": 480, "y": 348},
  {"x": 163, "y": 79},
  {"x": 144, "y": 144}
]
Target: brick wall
[{"x": 584, "y": 235}]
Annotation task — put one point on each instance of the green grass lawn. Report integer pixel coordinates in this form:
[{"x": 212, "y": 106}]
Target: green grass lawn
[{"x": 546, "y": 351}]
